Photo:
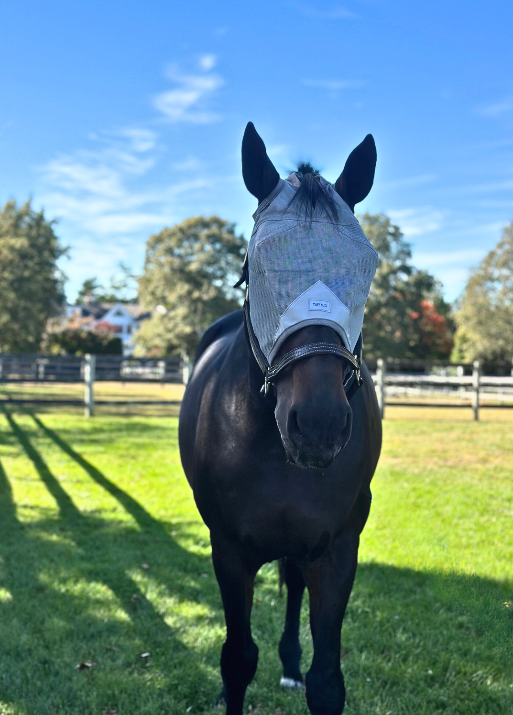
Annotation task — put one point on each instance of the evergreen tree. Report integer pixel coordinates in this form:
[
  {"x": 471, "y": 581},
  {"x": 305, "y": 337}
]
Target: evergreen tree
[{"x": 31, "y": 284}]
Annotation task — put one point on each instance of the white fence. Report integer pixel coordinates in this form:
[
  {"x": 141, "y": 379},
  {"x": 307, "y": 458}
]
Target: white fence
[
  {"x": 111, "y": 368},
  {"x": 456, "y": 391},
  {"x": 137, "y": 372},
  {"x": 61, "y": 371},
  {"x": 429, "y": 382}
]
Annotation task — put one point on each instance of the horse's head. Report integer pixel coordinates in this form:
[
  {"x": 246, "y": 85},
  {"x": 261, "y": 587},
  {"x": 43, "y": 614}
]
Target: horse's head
[{"x": 309, "y": 269}]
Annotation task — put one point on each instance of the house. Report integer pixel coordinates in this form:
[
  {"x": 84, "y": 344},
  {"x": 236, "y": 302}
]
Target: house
[{"x": 123, "y": 319}]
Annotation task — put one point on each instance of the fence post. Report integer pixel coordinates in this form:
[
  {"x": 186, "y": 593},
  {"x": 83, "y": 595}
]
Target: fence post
[
  {"x": 186, "y": 368},
  {"x": 382, "y": 377},
  {"x": 475, "y": 387},
  {"x": 89, "y": 371},
  {"x": 460, "y": 372}
]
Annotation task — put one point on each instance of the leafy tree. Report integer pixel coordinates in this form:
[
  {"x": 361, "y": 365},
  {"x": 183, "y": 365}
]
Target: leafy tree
[
  {"x": 31, "y": 285},
  {"x": 68, "y": 341},
  {"x": 406, "y": 316},
  {"x": 485, "y": 315},
  {"x": 90, "y": 289},
  {"x": 187, "y": 282},
  {"x": 122, "y": 288}
]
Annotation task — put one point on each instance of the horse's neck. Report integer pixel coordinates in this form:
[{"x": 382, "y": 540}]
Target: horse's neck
[{"x": 248, "y": 379}]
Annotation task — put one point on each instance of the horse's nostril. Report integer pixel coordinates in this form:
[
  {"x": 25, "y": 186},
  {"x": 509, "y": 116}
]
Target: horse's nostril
[{"x": 320, "y": 427}]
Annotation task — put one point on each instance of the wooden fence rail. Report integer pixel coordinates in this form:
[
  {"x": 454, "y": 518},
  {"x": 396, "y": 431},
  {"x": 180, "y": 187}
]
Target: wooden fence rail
[
  {"x": 66, "y": 370},
  {"x": 112, "y": 368},
  {"x": 473, "y": 391}
]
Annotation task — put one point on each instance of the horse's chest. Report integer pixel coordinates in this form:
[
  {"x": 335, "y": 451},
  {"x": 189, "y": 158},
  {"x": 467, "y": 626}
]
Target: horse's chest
[
  {"x": 282, "y": 531},
  {"x": 284, "y": 517}
]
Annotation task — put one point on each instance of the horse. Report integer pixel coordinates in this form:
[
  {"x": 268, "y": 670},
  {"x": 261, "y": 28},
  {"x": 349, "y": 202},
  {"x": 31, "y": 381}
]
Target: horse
[{"x": 282, "y": 471}]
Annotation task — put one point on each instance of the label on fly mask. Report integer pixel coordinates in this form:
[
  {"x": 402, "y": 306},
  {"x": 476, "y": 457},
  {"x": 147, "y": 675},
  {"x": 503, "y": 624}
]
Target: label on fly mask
[{"x": 324, "y": 305}]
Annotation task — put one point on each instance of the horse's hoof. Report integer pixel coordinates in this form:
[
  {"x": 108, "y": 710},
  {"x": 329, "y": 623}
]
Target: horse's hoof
[
  {"x": 291, "y": 683},
  {"x": 221, "y": 701}
]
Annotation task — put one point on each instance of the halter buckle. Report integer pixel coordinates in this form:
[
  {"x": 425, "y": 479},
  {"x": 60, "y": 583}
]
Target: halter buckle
[
  {"x": 264, "y": 390},
  {"x": 357, "y": 372}
]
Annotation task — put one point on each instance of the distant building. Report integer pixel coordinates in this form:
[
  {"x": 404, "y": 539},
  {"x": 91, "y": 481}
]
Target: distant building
[{"x": 122, "y": 319}]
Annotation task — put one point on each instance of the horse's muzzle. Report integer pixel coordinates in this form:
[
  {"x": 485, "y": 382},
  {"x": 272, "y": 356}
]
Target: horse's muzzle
[{"x": 313, "y": 438}]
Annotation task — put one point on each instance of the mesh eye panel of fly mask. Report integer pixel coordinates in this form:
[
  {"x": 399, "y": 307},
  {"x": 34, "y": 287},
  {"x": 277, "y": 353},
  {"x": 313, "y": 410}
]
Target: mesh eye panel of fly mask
[{"x": 303, "y": 270}]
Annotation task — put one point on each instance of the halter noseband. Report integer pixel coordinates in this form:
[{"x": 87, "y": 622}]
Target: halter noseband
[{"x": 270, "y": 372}]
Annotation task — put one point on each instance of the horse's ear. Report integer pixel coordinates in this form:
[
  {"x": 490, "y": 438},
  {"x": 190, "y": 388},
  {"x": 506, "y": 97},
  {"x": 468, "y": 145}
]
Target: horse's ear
[
  {"x": 258, "y": 171},
  {"x": 355, "y": 182}
]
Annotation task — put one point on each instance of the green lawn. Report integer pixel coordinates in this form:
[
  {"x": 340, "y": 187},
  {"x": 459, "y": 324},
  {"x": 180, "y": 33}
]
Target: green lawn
[{"x": 103, "y": 558}]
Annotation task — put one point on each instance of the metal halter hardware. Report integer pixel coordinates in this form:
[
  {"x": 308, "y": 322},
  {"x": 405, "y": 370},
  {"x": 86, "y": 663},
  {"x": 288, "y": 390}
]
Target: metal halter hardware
[{"x": 270, "y": 372}]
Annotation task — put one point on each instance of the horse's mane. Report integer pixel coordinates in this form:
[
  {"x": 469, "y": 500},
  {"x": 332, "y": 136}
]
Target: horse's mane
[{"x": 312, "y": 193}]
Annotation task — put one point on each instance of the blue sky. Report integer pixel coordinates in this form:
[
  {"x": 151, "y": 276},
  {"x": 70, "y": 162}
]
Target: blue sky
[{"x": 121, "y": 117}]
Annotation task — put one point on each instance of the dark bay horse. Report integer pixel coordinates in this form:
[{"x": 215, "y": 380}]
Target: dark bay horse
[{"x": 284, "y": 476}]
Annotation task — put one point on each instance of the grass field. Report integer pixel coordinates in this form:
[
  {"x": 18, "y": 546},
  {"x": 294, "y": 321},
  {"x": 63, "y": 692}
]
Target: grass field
[{"x": 104, "y": 560}]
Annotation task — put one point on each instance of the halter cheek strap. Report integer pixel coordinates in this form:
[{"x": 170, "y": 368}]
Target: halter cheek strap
[{"x": 270, "y": 372}]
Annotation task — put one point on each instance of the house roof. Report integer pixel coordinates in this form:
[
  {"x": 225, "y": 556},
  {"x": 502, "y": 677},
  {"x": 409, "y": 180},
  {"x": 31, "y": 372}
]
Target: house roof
[{"x": 98, "y": 310}]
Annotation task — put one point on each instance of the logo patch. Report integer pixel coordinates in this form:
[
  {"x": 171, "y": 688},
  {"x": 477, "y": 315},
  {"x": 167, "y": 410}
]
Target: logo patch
[{"x": 324, "y": 305}]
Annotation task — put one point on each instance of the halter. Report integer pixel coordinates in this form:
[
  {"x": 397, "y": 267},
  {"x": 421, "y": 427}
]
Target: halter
[{"x": 271, "y": 372}]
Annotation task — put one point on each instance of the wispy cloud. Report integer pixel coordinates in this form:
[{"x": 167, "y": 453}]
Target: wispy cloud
[
  {"x": 207, "y": 62},
  {"x": 140, "y": 140},
  {"x": 496, "y": 109},
  {"x": 417, "y": 221},
  {"x": 333, "y": 85},
  {"x": 106, "y": 194},
  {"x": 190, "y": 99},
  {"x": 100, "y": 171},
  {"x": 190, "y": 163},
  {"x": 96, "y": 190},
  {"x": 278, "y": 150},
  {"x": 483, "y": 188},
  {"x": 336, "y": 12}
]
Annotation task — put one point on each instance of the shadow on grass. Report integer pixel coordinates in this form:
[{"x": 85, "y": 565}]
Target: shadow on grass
[
  {"x": 142, "y": 517},
  {"x": 72, "y": 590},
  {"x": 412, "y": 642},
  {"x": 430, "y": 642}
]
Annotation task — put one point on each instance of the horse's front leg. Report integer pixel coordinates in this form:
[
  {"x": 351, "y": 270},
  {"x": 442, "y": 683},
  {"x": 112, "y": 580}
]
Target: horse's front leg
[
  {"x": 329, "y": 580},
  {"x": 235, "y": 575},
  {"x": 290, "y": 650}
]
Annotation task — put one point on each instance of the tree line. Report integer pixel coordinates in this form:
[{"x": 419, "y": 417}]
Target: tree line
[{"x": 187, "y": 283}]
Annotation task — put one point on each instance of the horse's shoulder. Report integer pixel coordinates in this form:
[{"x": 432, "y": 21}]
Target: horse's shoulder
[{"x": 225, "y": 325}]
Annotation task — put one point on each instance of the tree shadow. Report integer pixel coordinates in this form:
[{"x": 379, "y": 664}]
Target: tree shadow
[
  {"x": 73, "y": 589},
  {"x": 412, "y": 642},
  {"x": 438, "y": 642},
  {"x": 138, "y": 512}
]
